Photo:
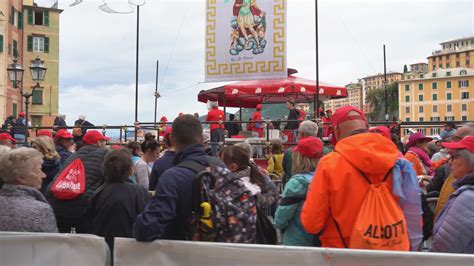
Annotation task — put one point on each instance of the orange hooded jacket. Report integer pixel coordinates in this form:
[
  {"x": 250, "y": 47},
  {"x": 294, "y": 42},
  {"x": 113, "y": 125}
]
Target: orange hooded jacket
[{"x": 338, "y": 188}]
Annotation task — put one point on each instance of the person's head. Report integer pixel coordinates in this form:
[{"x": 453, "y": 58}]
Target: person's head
[
  {"x": 134, "y": 148},
  {"x": 419, "y": 140},
  {"x": 62, "y": 116},
  {"x": 45, "y": 145},
  {"x": 348, "y": 121},
  {"x": 306, "y": 154},
  {"x": 167, "y": 137},
  {"x": 462, "y": 156},
  {"x": 237, "y": 159},
  {"x": 150, "y": 150},
  {"x": 64, "y": 139},
  {"x": 382, "y": 130},
  {"x": 307, "y": 128},
  {"x": 231, "y": 117},
  {"x": 7, "y": 140},
  {"x": 45, "y": 132},
  {"x": 213, "y": 105},
  {"x": 21, "y": 115},
  {"x": 187, "y": 131},
  {"x": 290, "y": 103},
  {"x": 277, "y": 148},
  {"x": 22, "y": 166},
  {"x": 196, "y": 115},
  {"x": 449, "y": 126},
  {"x": 117, "y": 166},
  {"x": 94, "y": 137},
  {"x": 149, "y": 136},
  {"x": 259, "y": 107},
  {"x": 246, "y": 146},
  {"x": 82, "y": 117},
  {"x": 463, "y": 131}
]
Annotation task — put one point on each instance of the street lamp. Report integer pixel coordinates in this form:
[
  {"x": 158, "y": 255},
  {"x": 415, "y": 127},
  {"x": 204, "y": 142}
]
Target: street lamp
[{"x": 15, "y": 74}]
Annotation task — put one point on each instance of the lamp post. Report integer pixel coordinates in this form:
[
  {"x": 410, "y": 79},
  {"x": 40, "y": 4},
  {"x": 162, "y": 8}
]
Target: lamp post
[{"x": 15, "y": 74}]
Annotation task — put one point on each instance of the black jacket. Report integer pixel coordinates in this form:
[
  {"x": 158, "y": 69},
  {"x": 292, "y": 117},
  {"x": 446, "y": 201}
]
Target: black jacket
[
  {"x": 292, "y": 116},
  {"x": 63, "y": 153},
  {"x": 84, "y": 124},
  {"x": 71, "y": 213},
  {"x": 19, "y": 127},
  {"x": 59, "y": 123},
  {"x": 233, "y": 128},
  {"x": 167, "y": 212},
  {"x": 113, "y": 208},
  {"x": 50, "y": 168},
  {"x": 441, "y": 174}
]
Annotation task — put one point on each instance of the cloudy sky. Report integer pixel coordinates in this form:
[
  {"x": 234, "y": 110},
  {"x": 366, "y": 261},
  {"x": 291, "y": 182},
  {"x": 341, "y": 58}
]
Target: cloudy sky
[{"x": 97, "y": 49}]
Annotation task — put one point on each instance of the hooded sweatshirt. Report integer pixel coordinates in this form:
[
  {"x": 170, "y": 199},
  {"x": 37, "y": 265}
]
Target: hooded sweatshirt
[{"x": 338, "y": 188}]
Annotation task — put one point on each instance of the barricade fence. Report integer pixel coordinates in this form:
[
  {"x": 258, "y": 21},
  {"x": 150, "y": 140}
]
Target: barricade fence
[{"x": 79, "y": 249}]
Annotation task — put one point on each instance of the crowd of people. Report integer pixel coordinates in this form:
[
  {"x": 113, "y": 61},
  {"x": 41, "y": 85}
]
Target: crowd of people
[{"x": 366, "y": 189}]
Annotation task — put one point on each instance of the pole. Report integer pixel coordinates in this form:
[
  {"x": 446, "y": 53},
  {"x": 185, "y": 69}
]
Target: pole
[
  {"x": 385, "y": 83},
  {"x": 136, "y": 70},
  {"x": 156, "y": 88},
  {"x": 27, "y": 103},
  {"x": 316, "y": 96}
]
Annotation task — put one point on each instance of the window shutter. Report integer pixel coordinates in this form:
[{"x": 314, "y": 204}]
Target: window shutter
[
  {"x": 46, "y": 18},
  {"x": 20, "y": 20},
  {"x": 12, "y": 16},
  {"x": 30, "y": 43},
  {"x": 459, "y": 83},
  {"x": 467, "y": 84},
  {"x": 46, "y": 44},
  {"x": 30, "y": 16},
  {"x": 15, "y": 49},
  {"x": 1, "y": 43}
]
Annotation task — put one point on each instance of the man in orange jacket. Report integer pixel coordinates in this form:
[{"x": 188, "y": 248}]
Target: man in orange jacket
[{"x": 338, "y": 188}]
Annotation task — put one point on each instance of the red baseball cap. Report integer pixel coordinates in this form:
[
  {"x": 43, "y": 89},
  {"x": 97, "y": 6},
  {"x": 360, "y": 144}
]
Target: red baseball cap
[
  {"x": 93, "y": 136},
  {"x": 465, "y": 143},
  {"x": 45, "y": 132},
  {"x": 164, "y": 119},
  {"x": 21, "y": 114},
  {"x": 342, "y": 115},
  {"x": 310, "y": 147},
  {"x": 381, "y": 129},
  {"x": 63, "y": 134},
  {"x": 259, "y": 107},
  {"x": 6, "y": 136}
]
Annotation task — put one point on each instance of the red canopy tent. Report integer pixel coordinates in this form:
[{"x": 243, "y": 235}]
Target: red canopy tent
[{"x": 247, "y": 94}]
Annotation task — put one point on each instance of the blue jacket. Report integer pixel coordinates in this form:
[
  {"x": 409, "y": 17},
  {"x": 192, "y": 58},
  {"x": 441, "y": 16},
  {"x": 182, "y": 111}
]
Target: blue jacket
[
  {"x": 287, "y": 217},
  {"x": 159, "y": 167},
  {"x": 453, "y": 230},
  {"x": 166, "y": 214}
]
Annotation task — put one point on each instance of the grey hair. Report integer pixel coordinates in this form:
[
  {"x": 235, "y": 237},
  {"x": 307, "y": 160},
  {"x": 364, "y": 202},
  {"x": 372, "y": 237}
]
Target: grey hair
[
  {"x": 468, "y": 157},
  {"x": 213, "y": 104},
  {"x": 19, "y": 163},
  {"x": 246, "y": 146},
  {"x": 4, "y": 149},
  {"x": 308, "y": 129},
  {"x": 82, "y": 117},
  {"x": 470, "y": 127}
]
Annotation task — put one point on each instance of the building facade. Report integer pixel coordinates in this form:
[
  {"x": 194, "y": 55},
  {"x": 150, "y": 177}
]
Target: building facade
[
  {"x": 419, "y": 68},
  {"x": 354, "y": 98},
  {"x": 446, "y": 92},
  {"x": 377, "y": 82},
  {"x": 31, "y": 31}
]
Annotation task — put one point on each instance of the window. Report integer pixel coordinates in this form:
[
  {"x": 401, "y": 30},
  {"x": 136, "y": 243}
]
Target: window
[
  {"x": 448, "y": 74},
  {"x": 440, "y": 65},
  {"x": 435, "y": 131},
  {"x": 407, "y": 87},
  {"x": 468, "y": 62},
  {"x": 407, "y": 109},
  {"x": 422, "y": 76},
  {"x": 421, "y": 119},
  {"x": 463, "y": 72},
  {"x": 407, "y": 119},
  {"x": 448, "y": 84},
  {"x": 434, "y": 67},
  {"x": 38, "y": 17},
  {"x": 407, "y": 98},
  {"x": 420, "y": 86},
  {"x": 36, "y": 120},
  {"x": 465, "y": 95},
  {"x": 37, "y": 97},
  {"x": 457, "y": 55},
  {"x": 420, "y": 109},
  {"x": 420, "y": 97},
  {"x": 434, "y": 85},
  {"x": 435, "y": 97},
  {"x": 464, "y": 107},
  {"x": 464, "y": 118},
  {"x": 458, "y": 64},
  {"x": 449, "y": 108},
  {"x": 463, "y": 83},
  {"x": 434, "y": 119},
  {"x": 38, "y": 44},
  {"x": 1, "y": 43},
  {"x": 14, "y": 109},
  {"x": 449, "y": 96},
  {"x": 433, "y": 75},
  {"x": 435, "y": 108},
  {"x": 447, "y": 65}
]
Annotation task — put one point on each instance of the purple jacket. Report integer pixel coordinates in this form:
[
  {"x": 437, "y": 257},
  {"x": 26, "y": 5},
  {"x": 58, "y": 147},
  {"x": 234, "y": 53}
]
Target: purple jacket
[{"x": 453, "y": 230}]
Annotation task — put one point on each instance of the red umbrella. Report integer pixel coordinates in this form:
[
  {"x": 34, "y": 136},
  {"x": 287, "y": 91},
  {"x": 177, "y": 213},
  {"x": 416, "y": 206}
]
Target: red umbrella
[{"x": 248, "y": 94}]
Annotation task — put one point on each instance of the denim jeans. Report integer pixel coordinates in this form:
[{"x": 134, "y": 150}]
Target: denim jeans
[{"x": 217, "y": 135}]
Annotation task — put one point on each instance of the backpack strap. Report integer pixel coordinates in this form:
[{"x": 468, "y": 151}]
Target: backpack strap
[
  {"x": 339, "y": 232},
  {"x": 291, "y": 200}
]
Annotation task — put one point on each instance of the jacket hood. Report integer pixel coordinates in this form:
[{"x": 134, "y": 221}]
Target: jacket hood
[
  {"x": 468, "y": 180},
  {"x": 369, "y": 152},
  {"x": 299, "y": 184},
  {"x": 193, "y": 152}
]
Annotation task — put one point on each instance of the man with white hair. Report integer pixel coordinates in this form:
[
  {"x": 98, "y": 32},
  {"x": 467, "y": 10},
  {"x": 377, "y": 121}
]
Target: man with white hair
[
  {"x": 306, "y": 129},
  {"x": 80, "y": 128},
  {"x": 217, "y": 127}
]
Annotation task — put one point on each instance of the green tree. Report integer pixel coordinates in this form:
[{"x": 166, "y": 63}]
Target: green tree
[{"x": 405, "y": 69}]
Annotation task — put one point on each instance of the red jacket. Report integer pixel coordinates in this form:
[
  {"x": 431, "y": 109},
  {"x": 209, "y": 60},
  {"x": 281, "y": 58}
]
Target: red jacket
[
  {"x": 215, "y": 115},
  {"x": 257, "y": 118}
]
